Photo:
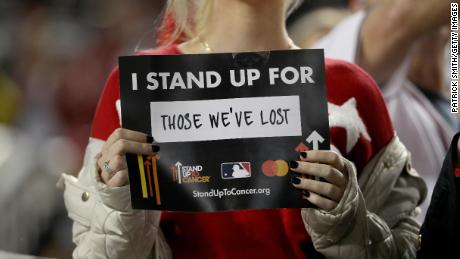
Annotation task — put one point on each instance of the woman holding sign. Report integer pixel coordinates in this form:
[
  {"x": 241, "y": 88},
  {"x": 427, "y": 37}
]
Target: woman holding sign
[{"x": 365, "y": 201}]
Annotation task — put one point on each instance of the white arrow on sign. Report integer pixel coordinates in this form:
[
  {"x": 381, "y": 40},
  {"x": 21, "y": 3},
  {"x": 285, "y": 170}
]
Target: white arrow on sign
[
  {"x": 316, "y": 139},
  {"x": 179, "y": 174}
]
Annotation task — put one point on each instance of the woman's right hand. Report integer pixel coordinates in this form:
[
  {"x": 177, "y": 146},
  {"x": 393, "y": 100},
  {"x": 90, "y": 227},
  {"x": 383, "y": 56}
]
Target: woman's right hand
[{"x": 112, "y": 165}]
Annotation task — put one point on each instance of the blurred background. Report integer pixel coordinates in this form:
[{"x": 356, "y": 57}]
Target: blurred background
[{"x": 54, "y": 59}]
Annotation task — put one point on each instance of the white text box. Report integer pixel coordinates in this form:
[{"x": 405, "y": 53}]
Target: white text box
[{"x": 204, "y": 120}]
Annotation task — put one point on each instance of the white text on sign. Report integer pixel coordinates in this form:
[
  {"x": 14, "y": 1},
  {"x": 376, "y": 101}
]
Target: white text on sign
[{"x": 212, "y": 79}]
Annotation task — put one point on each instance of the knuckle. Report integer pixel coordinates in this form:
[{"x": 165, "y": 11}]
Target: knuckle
[
  {"x": 334, "y": 158},
  {"x": 117, "y": 147},
  {"x": 314, "y": 199},
  {"x": 337, "y": 160},
  {"x": 146, "y": 147},
  {"x": 330, "y": 155},
  {"x": 99, "y": 160},
  {"x": 116, "y": 176},
  {"x": 329, "y": 172},
  {"x": 118, "y": 133},
  {"x": 329, "y": 189},
  {"x": 118, "y": 161},
  {"x": 104, "y": 177},
  {"x": 119, "y": 179},
  {"x": 324, "y": 170},
  {"x": 123, "y": 144}
]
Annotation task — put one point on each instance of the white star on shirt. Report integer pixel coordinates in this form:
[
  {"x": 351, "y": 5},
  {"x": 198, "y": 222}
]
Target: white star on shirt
[
  {"x": 346, "y": 116},
  {"x": 118, "y": 108}
]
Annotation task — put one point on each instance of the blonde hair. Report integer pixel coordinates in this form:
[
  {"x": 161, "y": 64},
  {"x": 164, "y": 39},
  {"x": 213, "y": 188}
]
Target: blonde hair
[{"x": 190, "y": 16}]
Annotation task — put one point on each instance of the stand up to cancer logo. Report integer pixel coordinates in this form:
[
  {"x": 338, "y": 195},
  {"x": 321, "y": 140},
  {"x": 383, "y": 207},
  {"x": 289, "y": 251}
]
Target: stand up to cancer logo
[{"x": 188, "y": 173}]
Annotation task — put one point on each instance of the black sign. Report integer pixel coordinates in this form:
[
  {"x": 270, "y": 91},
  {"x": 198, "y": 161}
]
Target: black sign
[{"x": 227, "y": 124}]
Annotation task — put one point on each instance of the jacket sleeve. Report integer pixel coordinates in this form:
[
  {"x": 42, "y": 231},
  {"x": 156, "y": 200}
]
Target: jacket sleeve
[
  {"x": 105, "y": 225},
  {"x": 376, "y": 216}
]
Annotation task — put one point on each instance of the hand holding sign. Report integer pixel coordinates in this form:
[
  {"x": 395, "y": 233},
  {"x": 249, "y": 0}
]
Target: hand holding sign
[
  {"x": 226, "y": 131},
  {"x": 112, "y": 161},
  {"x": 325, "y": 164}
]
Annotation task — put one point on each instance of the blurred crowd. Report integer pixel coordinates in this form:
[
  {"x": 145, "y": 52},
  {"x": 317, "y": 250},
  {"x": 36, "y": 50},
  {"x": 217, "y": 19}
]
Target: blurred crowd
[
  {"x": 408, "y": 55},
  {"x": 54, "y": 59}
]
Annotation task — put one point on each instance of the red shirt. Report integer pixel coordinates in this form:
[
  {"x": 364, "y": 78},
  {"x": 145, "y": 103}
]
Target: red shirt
[{"x": 278, "y": 233}]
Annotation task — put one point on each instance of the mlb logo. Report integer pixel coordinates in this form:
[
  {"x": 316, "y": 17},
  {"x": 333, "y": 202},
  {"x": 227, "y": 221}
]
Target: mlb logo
[{"x": 235, "y": 170}]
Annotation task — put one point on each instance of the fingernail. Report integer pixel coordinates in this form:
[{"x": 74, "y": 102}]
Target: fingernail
[
  {"x": 306, "y": 193},
  {"x": 295, "y": 180},
  {"x": 293, "y": 164},
  {"x": 303, "y": 154},
  {"x": 155, "y": 148},
  {"x": 149, "y": 139}
]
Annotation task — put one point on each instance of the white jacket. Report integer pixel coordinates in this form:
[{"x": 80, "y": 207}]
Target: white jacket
[{"x": 376, "y": 220}]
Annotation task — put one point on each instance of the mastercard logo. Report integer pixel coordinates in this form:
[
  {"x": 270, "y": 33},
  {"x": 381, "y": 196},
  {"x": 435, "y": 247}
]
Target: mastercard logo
[{"x": 272, "y": 168}]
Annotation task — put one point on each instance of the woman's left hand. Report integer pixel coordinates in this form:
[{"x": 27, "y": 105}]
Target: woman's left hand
[{"x": 327, "y": 165}]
